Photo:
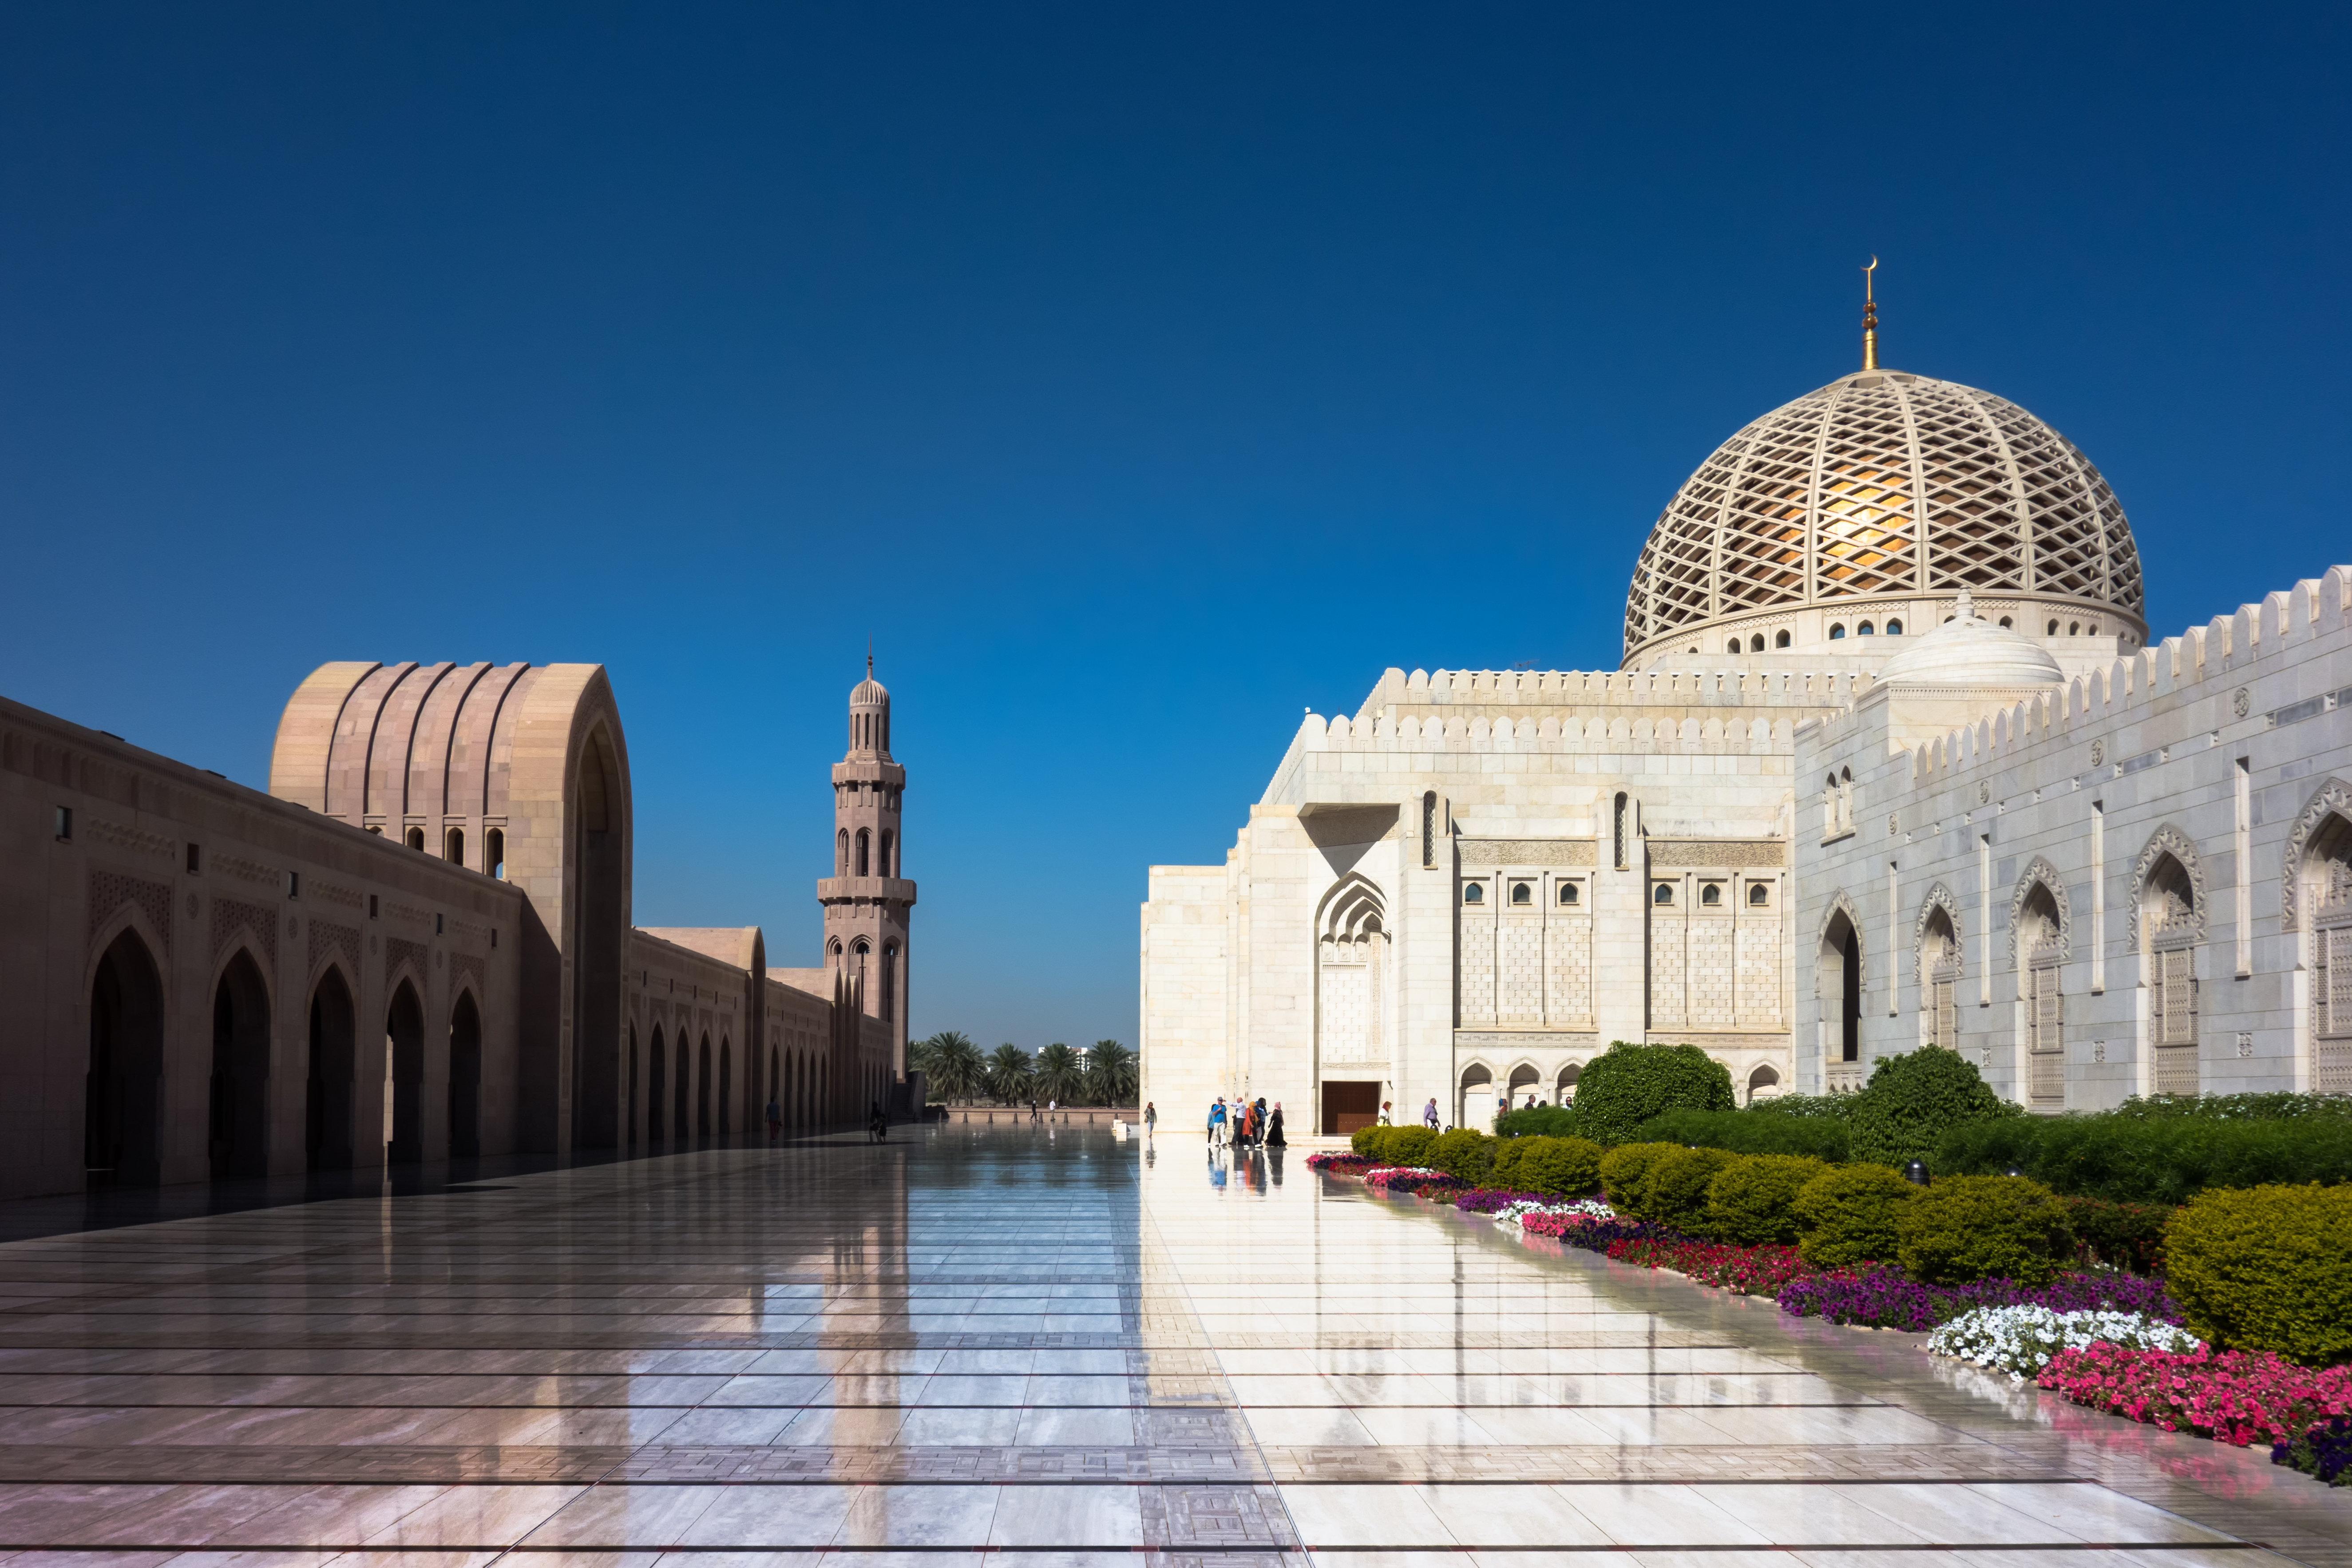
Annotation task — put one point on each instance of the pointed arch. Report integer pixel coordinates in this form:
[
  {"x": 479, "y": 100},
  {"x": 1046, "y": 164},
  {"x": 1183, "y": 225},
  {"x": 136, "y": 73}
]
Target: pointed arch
[
  {"x": 1837, "y": 980},
  {"x": 2314, "y": 825},
  {"x": 466, "y": 1074},
  {"x": 238, "y": 1144},
  {"x": 1937, "y": 948},
  {"x": 2162, "y": 904},
  {"x": 2040, "y": 873},
  {"x": 333, "y": 1071},
  {"x": 123, "y": 1088},
  {"x": 1351, "y": 979}
]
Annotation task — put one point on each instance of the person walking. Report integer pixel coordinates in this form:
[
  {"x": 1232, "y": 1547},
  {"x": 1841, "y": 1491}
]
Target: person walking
[
  {"x": 1274, "y": 1139},
  {"x": 775, "y": 1120},
  {"x": 1033, "y": 1108},
  {"x": 877, "y": 1126},
  {"x": 1387, "y": 1110},
  {"x": 1217, "y": 1123},
  {"x": 1150, "y": 1118},
  {"x": 1429, "y": 1114}
]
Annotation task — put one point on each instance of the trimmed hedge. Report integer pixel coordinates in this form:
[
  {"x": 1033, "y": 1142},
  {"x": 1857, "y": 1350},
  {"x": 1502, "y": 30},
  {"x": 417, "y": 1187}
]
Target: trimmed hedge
[
  {"x": 1464, "y": 1153},
  {"x": 1538, "y": 1121},
  {"x": 1751, "y": 1132},
  {"x": 2267, "y": 1268},
  {"x": 1675, "y": 1193},
  {"x": 1814, "y": 1107},
  {"x": 1983, "y": 1228},
  {"x": 1849, "y": 1215},
  {"x": 1912, "y": 1099},
  {"x": 2273, "y": 1107},
  {"x": 1393, "y": 1145},
  {"x": 2167, "y": 1158},
  {"x": 1628, "y": 1084},
  {"x": 1625, "y": 1173},
  {"x": 1753, "y": 1200},
  {"x": 1567, "y": 1167}
]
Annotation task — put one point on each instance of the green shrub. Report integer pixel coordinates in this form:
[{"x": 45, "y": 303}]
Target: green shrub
[
  {"x": 1363, "y": 1140},
  {"x": 1402, "y": 1145},
  {"x": 1809, "y": 1107},
  {"x": 2267, "y": 1268},
  {"x": 1464, "y": 1153},
  {"x": 1505, "y": 1171},
  {"x": 1628, "y": 1084},
  {"x": 1983, "y": 1228},
  {"x": 1567, "y": 1167},
  {"x": 1911, "y": 1099},
  {"x": 1625, "y": 1172},
  {"x": 2273, "y": 1107},
  {"x": 1754, "y": 1201},
  {"x": 1675, "y": 1193},
  {"x": 2118, "y": 1236},
  {"x": 1847, "y": 1214},
  {"x": 1539, "y": 1121},
  {"x": 2139, "y": 1157},
  {"x": 1750, "y": 1132}
]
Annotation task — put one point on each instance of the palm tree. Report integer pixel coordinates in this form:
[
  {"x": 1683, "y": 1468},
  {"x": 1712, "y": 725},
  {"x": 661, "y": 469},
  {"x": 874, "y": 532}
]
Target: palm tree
[
  {"x": 1008, "y": 1073},
  {"x": 1110, "y": 1073},
  {"x": 1059, "y": 1075},
  {"x": 954, "y": 1064}
]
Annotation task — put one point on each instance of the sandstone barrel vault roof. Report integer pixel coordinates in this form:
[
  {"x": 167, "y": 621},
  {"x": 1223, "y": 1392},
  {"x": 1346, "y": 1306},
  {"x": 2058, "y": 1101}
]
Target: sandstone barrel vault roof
[{"x": 1883, "y": 484}]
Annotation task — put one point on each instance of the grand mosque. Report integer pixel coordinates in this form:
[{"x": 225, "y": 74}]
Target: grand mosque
[{"x": 1890, "y": 762}]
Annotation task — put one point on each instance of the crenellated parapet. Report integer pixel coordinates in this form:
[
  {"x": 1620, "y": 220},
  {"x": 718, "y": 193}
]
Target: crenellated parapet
[{"x": 1488, "y": 690}]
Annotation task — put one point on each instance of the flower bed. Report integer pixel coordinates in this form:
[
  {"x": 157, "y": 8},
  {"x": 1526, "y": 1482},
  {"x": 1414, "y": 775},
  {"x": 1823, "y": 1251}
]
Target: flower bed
[
  {"x": 1418, "y": 1180},
  {"x": 1879, "y": 1297},
  {"x": 2325, "y": 1452},
  {"x": 2021, "y": 1341},
  {"x": 1746, "y": 1270},
  {"x": 2235, "y": 1397},
  {"x": 1337, "y": 1163},
  {"x": 1515, "y": 1216},
  {"x": 1494, "y": 1200}
]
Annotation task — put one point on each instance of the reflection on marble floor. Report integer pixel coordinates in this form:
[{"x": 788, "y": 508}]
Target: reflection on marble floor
[{"x": 1021, "y": 1346}]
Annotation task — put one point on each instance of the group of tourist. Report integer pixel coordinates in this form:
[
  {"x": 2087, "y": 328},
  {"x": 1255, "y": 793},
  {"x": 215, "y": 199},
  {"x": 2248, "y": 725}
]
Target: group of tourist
[{"x": 1246, "y": 1124}]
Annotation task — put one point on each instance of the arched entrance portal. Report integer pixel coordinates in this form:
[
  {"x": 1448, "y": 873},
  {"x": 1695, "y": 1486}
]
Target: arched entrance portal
[
  {"x": 1841, "y": 991},
  {"x": 655, "y": 1062},
  {"x": 1472, "y": 1106},
  {"x": 334, "y": 1043},
  {"x": 404, "y": 1044},
  {"x": 726, "y": 1087},
  {"x": 1523, "y": 1078},
  {"x": 680, "y": 1127},
  {"x": 702, "y": 1093},
  {"x": 239, "y": 1119},
  {"x": 464, "y": 1079},
  {"x": 123, "y": 1093}
]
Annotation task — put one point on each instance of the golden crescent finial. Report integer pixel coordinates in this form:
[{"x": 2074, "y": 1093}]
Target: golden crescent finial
[
  {"x": 1866, "y": 278},
  {"x": 1869, "y": 316}
]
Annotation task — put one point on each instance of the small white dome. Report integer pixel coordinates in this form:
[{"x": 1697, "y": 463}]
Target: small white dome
[{"x": 1967, "y": 650}]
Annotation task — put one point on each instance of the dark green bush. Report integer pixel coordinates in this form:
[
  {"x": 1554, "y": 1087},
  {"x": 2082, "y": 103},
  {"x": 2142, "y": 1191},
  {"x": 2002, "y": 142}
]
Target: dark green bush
[
  {"x": 1911, "y": 1100},
  {"x": 1754, "y": 1200},
  {"x": 1406, "y": 1145},
  {"x": 2161, "y": 1159},
  {"x": 1568, "y": 1167},
  {"x": 1676, "y": 1192},
  {"x": 1364, "y": 1140},
  {"x": 1848, "y": 1214},
  {"x": 2275, "y": 1107},
  {"x": 1628, "y": 1084},
  {"x": 1539, "y": 1121},
  {"x": 1464, "y": 1153},
  {"x": 2119, "y": 1235},
  {"x": 1625, "y": 1172},
  {"x": 1983, "y": 1228},
  {"x": 2266, "y": 1269},
  {"x": 1751, "y": 1132},
  {"x": 1816, "y": 1107}
]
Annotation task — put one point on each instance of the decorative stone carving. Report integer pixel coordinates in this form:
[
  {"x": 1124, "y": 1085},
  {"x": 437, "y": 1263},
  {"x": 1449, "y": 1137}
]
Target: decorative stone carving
[
  {"x": 1729, "y": 854},
  {"x": 2167, "y": 840},
  {"x": 138, "y": 841},
  {"x": 466, "y": 974},
  {"x": 244, "y": 870},
  {"x": 327, "y": 893},
  {"x": 342, "y": 941},
  {"x": 1939, "y": 897},
  {"x": 2333, "y": 799},
  {"x": 2098, "y": 754},
  {"x": 398, "y": 950},
  {"x": 2039, "y": 870},
  {"x": 110, "y": 890},
  {"x": 2241, "y": 701},
  {"x": 1526, "y": 852},
  {"x": 228, "y": 914}
]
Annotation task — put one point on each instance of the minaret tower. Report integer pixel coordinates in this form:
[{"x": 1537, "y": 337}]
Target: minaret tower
[{"x": 866, "y": 900}]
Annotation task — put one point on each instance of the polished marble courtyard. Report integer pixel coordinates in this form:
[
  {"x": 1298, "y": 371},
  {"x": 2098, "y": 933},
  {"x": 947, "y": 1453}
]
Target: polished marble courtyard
[{"x": 1024, "y": 1345}]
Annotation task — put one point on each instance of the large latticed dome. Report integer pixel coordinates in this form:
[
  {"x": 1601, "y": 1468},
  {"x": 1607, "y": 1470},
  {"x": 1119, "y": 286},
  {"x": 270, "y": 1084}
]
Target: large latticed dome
[{"x": 1883, "y": 486}]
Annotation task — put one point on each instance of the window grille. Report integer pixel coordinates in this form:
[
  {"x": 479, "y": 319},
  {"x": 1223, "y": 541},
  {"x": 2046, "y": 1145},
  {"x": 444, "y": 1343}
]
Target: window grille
[
  {"x": 2045, "y": 1032},
  {"x": 2175, "y": 1021}
]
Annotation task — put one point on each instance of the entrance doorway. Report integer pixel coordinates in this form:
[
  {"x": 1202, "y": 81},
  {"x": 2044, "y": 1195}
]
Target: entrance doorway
[
  {"x": 1348, "y": 1106},
  {"x": 123, "y": 1093},
  {"x": 239, "y": 1142}
]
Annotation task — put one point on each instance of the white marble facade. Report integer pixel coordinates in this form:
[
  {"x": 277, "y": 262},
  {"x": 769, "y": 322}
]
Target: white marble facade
[{"x": 1903, "y": 772}]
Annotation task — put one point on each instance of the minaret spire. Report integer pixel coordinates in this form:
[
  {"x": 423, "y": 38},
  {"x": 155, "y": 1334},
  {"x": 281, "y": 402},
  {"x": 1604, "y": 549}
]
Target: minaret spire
[{"x": 1869, "y": 317}]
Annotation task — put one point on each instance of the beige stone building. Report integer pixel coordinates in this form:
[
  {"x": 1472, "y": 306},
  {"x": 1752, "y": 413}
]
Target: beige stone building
[
  {"x": 417, "y": 946},
  {"x": 1888, "y": 762}
]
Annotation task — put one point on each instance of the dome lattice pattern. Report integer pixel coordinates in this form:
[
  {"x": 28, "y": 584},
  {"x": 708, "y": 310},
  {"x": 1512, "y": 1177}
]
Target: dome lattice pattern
[{"x": 1883, "y": 484}]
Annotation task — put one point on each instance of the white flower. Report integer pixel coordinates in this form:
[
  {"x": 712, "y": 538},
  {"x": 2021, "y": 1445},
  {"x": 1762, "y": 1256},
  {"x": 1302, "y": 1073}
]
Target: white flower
[
  {"x": 2020, "y": 1340},
  {"x": 1513, "y": 1215}
]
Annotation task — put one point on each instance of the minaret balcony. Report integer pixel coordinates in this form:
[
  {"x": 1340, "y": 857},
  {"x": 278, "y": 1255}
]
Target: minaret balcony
[{"x": 864, "y": 889}]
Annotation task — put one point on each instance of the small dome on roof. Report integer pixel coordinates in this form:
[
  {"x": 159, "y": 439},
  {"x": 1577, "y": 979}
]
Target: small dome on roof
[{"x": 1967, "y": 650}]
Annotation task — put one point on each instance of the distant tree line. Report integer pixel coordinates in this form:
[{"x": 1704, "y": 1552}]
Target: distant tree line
[{"x": 1104, "y": 1073}]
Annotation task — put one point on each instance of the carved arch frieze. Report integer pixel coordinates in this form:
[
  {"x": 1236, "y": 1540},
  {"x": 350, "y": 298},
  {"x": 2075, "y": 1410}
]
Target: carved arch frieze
[
  {"x": 2167, "y": 840},
  {"x": 2333, "y": 799},
  {"x": 2039, "y": 872}
]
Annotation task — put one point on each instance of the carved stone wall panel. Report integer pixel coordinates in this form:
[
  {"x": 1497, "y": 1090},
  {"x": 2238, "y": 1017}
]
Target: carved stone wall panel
[
  {"x": 466, "y": 970},
  {"x": 262, "y": 921},
  {"x": 398, "y": 949},
  {"x": 110, "y": 890},
  {"x": 1726, "y": 853},
  {"x": 327, "y": 893},
  {"x": 2333, "y": 799},
  {"x": 1520, "y": 967},
  {"x": 1711, "y": 1004},
  {"x": 343, "y": 941},
  {"x": 1570, "y": 943},
  {"x": 1760, "y": 1004},
  {"x": 1476, "y": 998},
  {"x": 138, "y": 841},
  {"x": 1669, "y": 1002},
  {"x": 1526, "y": 852},
  {"x": 244, "y": 870},
  {"x": 2169, "y": 840}
]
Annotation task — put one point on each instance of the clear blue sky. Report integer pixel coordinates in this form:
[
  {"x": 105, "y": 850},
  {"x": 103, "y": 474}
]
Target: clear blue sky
[{"x": 1136, "y": 377}]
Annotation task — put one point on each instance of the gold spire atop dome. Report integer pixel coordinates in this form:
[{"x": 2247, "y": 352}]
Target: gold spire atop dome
[{"x": 1869, "y": 318}]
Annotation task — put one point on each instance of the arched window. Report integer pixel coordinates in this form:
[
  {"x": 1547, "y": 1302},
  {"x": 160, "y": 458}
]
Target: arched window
[
  {"x": 1759, "y": 895},
  {"x": 494, "y": 852},
  {"x": 1429, "y": 828},
  {"x": 1663, "y": 893},
  {"x": 865, "y": 857},
  {"x": 1939, "y": 979},
  {"x": 1837, "y": 632},
  {"x": 1473, "y": 893},
  {"x": 1625, "y": 827},
  {"x": 1569, "y": 893},
  {"x": 1764, "y": 1083},
  {"x": 2005, "y": 622},
  {"x": 1865, "y": 629},
  {"x": 2053, "y": 628},
  {"x": 2169, "y": 923},
  {"x": 888, "y": 868},
  {"x": 1779, "y": 640},
  {"x": 1711, "y": 895},
  {"x": 1475, "y": 1106},
  {"x": 2325, "y": 888},
  {"x": 453, "y": 846},
  {"x": 1732, "y": 647},
  {"x": 2039, "y": 954},
  {"x": 1756, "y": 642},
  {"x": 2074, "y": 628},
  {"x": 1522, "y": 894},
  {"x": 841, "y": 852},
  {"x": 890, "y": 982},
  {"x": 1894, "y": 627},
  {"x": 1840, "y": 983},
  {"x": 416, "y": 836},
  {"x": 1564, "y": 1087}
]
